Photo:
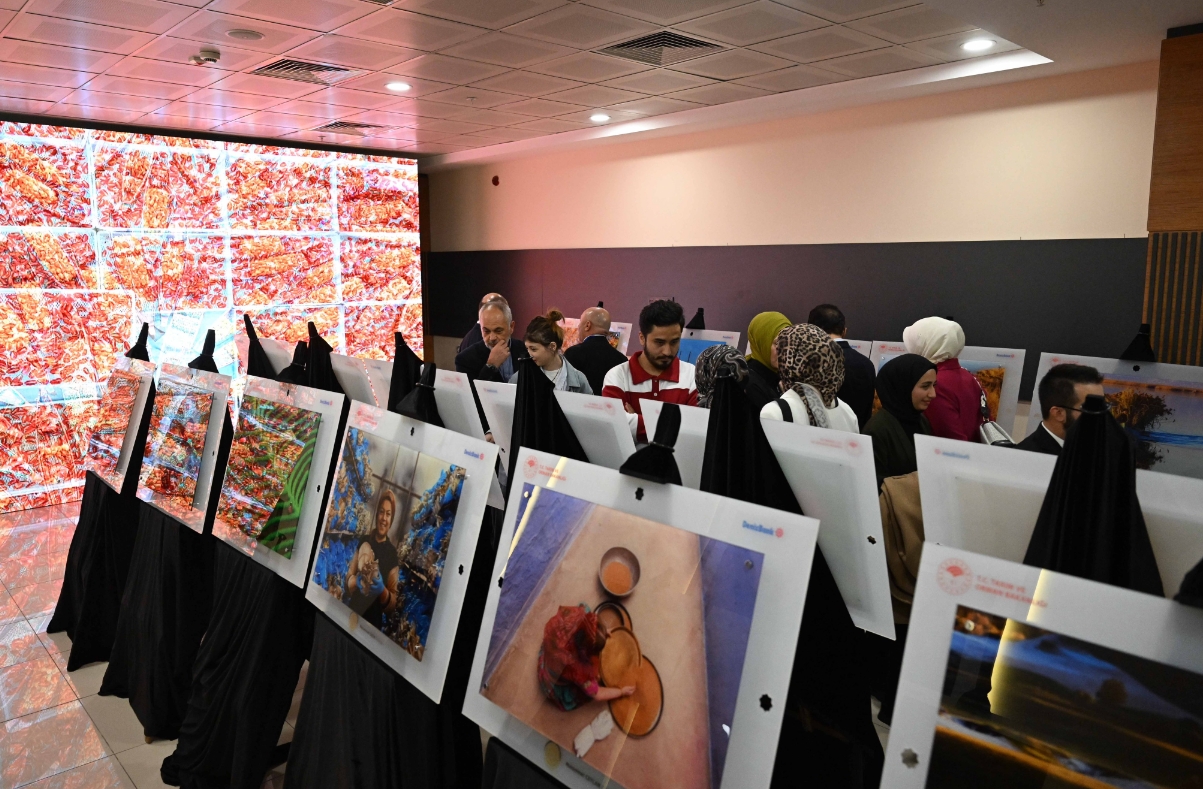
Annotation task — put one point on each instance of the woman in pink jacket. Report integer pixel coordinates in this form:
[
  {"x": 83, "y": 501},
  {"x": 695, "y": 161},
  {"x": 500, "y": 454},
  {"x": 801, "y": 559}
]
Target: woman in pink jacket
[{"x": 957, "y": 410}]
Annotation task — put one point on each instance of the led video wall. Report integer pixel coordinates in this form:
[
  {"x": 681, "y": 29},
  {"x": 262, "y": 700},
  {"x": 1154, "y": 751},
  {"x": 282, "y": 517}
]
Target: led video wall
[{"x": 100, "y": 230}]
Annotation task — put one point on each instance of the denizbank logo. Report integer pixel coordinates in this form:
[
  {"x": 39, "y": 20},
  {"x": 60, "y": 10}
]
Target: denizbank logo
[
  {"x": 764, "y": 529},
  {"x": 954, "y": 455}
]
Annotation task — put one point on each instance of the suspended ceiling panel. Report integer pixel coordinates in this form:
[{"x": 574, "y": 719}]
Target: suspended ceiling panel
[{"x": 441, "y": 76}]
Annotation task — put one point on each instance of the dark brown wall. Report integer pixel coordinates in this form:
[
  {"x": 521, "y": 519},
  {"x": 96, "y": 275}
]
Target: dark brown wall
[{"x": 1074, "y": 297}]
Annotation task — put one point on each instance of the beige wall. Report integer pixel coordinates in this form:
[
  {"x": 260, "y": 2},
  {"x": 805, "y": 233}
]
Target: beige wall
[{"x": 1056, "y": 157}]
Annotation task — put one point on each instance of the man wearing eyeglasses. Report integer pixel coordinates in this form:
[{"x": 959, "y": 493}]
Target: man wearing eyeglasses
[{"x": 1062, "y": 391}]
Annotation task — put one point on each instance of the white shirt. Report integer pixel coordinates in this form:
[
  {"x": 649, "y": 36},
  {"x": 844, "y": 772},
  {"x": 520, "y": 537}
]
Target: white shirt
[
  {"x": 839, "y": 417},
  {"x": 1060, "y": 441}
]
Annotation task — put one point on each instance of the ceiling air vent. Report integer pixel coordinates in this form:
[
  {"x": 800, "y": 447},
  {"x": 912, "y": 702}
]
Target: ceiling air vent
[
  {"x": 302, "y": 71},
  {"x": 661, "y": 49},
  {"x": 350, "y": 127}
]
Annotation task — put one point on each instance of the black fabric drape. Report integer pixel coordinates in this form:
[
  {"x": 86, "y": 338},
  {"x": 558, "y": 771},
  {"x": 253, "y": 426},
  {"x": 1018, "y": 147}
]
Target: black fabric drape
[
  {"x": 1191, "y": 591},
  {"x": 259, "y": 634},
  {"x": 656, "y": 461},
  {"x": 1090, "y": 524},
  {"x": 698, "y": 321},
  {"x": 98, "y": 560},
  {"x": 257, "y": 362},
  {"x": 164, "y": 611},
  {"x": 539, "y": 422},
  {"x": 505, "y": 768},
  {"x": 407, "y": 368},
  {"x": 420, "y": 402},
  {"x": 828, "y": 739},
  {"x": 319, "y": 371},
  {"x": 1141, "y": 347},
  {"x": 205, "y": 361},
  {"x": 295, "y": 372}
]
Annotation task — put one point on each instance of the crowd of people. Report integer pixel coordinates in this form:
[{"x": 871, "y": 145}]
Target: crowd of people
[{"x": 796, "y": 372}]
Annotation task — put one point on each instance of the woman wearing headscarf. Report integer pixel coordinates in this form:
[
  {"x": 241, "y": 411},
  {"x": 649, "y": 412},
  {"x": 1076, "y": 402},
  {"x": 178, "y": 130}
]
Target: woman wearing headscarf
[
  {"x": 714, "y": 361},
  {"x": 762, "y": 361},
  {"x": 811, "y": 367},
  {"x": 906, "y": 387},
  {"x": 957, "y": 409}
]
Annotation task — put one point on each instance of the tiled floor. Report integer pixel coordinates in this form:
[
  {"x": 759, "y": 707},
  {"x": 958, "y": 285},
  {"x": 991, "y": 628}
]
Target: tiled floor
[{"x": 55, "y": 732}]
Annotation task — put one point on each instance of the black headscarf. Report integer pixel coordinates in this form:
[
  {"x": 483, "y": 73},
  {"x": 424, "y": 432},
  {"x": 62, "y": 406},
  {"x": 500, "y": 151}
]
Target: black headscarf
[
  {"x": 295, "y": 372},
  {"x": 828, "y": 686},
  {"x": 319, "y": 371},
  {"x": 420, "y": 403},
  {"x": 895, "y": 381},
  {"x": 205, "y": 361},
  {"x": 655, "y": 462},
  {"x": 1090, "y": 524},
  {"x": 407, "y": 368},
  {"x": 257, "y": 363},
  {"x": 138, "y": 349},
  {"x": 698, "y": 321},
  {"x": 539, "y": 422}
]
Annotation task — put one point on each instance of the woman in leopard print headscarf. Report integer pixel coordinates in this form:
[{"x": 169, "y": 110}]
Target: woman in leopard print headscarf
[{"x": 811, "y": 366}]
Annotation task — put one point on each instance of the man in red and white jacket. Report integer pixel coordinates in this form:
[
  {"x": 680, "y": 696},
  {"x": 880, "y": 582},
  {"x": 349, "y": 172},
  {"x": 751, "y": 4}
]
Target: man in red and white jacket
[{"x": 655, "y": 373}]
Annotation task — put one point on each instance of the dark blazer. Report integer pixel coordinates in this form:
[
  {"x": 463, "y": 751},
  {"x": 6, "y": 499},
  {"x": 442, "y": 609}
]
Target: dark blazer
[
  {"x": 472, "y": 362},
  {"x": 1041, "y": 441},
  {"x": 860, "y": 381},
  {"x": 471, "y": 338},
  {"x": 595, "y": 356}
]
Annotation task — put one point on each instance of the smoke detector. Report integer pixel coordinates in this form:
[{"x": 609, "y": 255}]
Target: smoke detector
[{"x": 206, "y": 57}]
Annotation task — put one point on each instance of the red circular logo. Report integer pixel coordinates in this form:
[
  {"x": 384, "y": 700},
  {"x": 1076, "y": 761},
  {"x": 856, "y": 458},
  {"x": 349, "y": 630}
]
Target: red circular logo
[
  {"x": 854, "y": 446},
  {"x": 780, "y": 532},
  {"x": 954, "y": 576},
  {"x": 530, "y": 468}
]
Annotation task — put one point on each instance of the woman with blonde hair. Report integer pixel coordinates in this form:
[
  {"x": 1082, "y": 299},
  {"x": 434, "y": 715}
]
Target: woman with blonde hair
[{"x": 544, "y": 340}]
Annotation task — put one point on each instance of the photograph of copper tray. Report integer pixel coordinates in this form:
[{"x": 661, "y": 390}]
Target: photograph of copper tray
[
  {"x": 620, "y": 658},
  {"x": 637, "y": 715},
  {"x": 613, "y": 614}
]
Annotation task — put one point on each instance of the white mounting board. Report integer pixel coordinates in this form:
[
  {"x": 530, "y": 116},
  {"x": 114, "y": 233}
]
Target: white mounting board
[
  {"x": 863, "y": 347},
  {"x": 219, "y": 386},
  {"x": 353, "y": 378},
  {"x": 832, "y": 475},
  {"x": 1138, "y": 624},
  {"x": 711, "y": 337},
  {"x": 477, "y": 458},
  {"x": 145, "y": 372},
  {"x": 986, "y": 499},
  {"x": 457, "y": 409},
  {"x": 785, "y": 540},
  {"x": 380, "y": 377},
  {"x": 690, "y": 450},
  {"x": 278, "y": 353},
  {"x": 973, "y": 357},
  {"x": 497, "y": 400},
  {"x": 330, "y": 406},
  {"x": 601, "y": 425}
]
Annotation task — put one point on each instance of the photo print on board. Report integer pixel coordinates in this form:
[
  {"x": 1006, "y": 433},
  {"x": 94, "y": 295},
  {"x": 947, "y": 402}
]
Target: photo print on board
[
  {"x": 266, "y": 476},
  {"x": 622, "y": 640},
  {"x": 391, "y": 516}
]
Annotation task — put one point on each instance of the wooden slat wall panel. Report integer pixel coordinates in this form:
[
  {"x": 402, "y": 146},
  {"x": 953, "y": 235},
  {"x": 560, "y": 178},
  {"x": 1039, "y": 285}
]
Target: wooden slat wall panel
[{"x": 1173, "y": 292}]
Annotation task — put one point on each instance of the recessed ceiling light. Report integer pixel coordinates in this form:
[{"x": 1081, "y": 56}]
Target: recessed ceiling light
[
  {"x": 399, "y": 87},
  {"x": 599, "y": 117},
  {"x": 245, "y": 35},
  {"x": 978, "y": 44}
]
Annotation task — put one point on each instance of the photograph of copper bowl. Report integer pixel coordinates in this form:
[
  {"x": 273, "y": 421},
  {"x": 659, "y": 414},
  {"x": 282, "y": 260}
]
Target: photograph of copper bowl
[{"x": 619, "y": 572}]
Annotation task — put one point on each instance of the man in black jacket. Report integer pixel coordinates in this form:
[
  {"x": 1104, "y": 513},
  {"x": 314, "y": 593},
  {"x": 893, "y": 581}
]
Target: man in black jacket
[
  {"x": 593, "y": 355},
  {"x": 493, "y": 359},
  {"x": 474, "y": 335},
  {"x": 1062, "y": 391},
  {"x": 860, "y": 380}
]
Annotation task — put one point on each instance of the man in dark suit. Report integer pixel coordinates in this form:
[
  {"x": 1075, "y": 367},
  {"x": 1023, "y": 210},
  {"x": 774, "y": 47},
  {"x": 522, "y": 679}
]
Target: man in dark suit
[
  {"x": 474, "y": 336},
  {"x": 493, "y": 359},
  {"x": 860, "y": 380},
  {"x": 1062, "y": 391},
  {"x": 593, "y": 355}
]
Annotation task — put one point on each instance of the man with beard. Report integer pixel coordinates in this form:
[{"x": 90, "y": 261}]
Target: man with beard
[
  {"x": 1062, "y": 391},
  {"x": 655, "y": 373}
]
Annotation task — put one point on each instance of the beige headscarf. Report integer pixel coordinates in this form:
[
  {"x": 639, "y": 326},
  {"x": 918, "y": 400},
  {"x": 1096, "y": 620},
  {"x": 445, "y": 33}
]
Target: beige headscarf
[{"x": 935, "y": 339}]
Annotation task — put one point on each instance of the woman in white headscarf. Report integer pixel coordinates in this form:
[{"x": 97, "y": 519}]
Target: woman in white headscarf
[{"x": 957, "y": 410}]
